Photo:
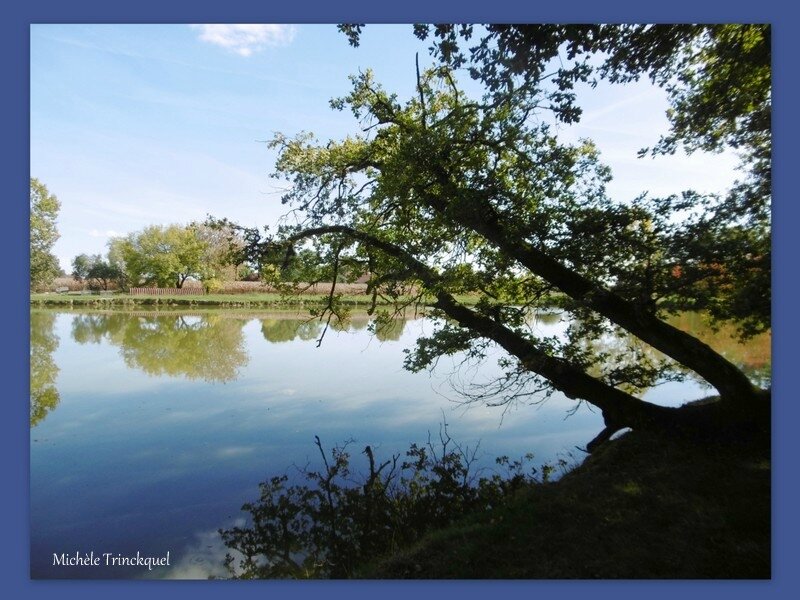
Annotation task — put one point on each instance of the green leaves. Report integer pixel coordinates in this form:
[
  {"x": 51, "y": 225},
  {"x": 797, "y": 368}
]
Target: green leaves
[
  {"x": 97, "y": 272},
  {"x": 44, "y": 209},
  {"x": 162, "y": 256}
]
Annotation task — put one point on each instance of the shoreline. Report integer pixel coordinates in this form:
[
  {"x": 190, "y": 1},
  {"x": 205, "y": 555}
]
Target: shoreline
[
  {"x": 255, "y": 300},
  {"x": 209, "y": 300}
]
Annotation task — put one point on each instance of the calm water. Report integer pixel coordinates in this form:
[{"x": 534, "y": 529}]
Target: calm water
[{"x": 150, "y": 430}]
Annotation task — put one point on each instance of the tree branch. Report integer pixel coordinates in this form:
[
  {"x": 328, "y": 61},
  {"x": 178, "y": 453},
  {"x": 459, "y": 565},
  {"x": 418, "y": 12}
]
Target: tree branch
[
  {"x": 478, "y": 214},
  {"x": 423, "y": 117},
  {"x": 618, "y": 407}
]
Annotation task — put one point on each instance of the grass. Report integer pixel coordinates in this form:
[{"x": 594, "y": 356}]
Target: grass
[
  {"x": 237, "y": 300},
  {"x": 642, "y": 507},
  {"x": 222, "y": 300}
]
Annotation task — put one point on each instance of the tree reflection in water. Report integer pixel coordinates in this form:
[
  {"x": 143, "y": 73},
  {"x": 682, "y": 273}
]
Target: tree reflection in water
[
  {"x": 634, "y": 366},
  {"x": 277, "y": 329},
  {"x": 753, "y": 356},
  {"x": 210, "y": 347},
  {"x": 44, "y": 342}
]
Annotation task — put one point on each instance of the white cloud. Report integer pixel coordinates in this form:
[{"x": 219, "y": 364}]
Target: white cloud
[
  {"x": 245, "y": 39},
  {"x": 645, "y": 98},
  {"x": 205, "y": 556},
  {"x": 109, "y": 233}
]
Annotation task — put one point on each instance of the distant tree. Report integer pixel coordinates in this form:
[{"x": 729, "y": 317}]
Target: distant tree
[
  {"x": 116, "y": 258},
  {"x": 221, "y": 256},
  {"x": 81, "y": 265},
  {"x": 277, "y": 266},
  {"x": 96, "y": 271},
  {"x": 246, "y": 273},
  {"x": 162, "y": 256},
  {"x": 102, "y": 274},
  {"x": 305, "y": 265},
  {"x": 44, "y": 209}
]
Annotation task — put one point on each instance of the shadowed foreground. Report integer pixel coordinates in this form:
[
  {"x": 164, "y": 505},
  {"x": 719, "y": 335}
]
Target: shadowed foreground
[{"x": 640, "y": 507}]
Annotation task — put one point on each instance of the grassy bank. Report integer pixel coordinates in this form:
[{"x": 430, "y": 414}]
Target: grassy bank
[
  {"x": 255, "y": 300},
  {"x": 222, "y": 300},
  {"x": 642, "y": 507}
]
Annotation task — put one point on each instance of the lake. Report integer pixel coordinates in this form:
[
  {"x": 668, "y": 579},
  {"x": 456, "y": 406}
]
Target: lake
[{"x": 149, "y": 430}]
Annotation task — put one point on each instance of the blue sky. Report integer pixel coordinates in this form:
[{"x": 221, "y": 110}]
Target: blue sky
[{"x": 134, "y": 125}]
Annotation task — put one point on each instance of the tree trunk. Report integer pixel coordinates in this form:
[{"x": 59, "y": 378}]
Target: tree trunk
[
  {"x": 619, "y": 408},
  {"x": 478, "y": 214}
]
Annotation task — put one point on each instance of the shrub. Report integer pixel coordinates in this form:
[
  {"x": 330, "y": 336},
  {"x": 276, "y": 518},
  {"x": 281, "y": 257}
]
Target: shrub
[{"x": 333, "y": 523}]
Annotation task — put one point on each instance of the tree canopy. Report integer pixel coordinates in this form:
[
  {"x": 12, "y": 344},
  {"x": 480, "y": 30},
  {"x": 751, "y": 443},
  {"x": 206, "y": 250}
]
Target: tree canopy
[
  {"x": 445, "y": 194},
  {"x": 167, "y": 256},
  {"x": 162, "y": 256},
  {"x": 44, "y": 208},
  {"x": 96, "y": 271},
  {"x": 220, "y": 258},
  {"x": 718, "y": 81}
]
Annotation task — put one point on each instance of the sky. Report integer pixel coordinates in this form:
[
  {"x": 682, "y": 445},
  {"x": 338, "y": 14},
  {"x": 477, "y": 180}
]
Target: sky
[{"x": 133, "y": 125}]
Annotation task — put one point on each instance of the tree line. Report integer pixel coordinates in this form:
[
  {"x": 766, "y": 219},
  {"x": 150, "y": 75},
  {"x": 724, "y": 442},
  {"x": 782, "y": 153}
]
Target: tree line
[
  {"x": 210, "y": 252},
  {"x": 165, "y": 256}
]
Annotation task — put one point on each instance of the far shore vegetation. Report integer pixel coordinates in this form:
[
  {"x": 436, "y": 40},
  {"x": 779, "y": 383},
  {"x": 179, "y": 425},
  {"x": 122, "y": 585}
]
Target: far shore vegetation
[
  {"x": 251, "y": 299},
  {"x": 122, "y": 299}
]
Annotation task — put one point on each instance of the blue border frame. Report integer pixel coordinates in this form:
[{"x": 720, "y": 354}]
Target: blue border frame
[{"x": 15, "y": 50}]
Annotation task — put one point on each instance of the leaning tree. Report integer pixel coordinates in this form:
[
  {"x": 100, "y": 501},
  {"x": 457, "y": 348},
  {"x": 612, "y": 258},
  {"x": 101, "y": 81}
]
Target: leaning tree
[{"x": 443, "y": 194}]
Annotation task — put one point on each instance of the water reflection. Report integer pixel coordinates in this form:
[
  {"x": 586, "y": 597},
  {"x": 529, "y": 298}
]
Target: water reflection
[
  {"x": 547, "y": 318},
  {"x": 390, "y": 331},
  {"x": 127, "y": 462},
  {"x": 636, "y": 367},
  {"x": 277, "y": 330},
  {"x": 754, "y": 356},
  {"x": 209, "y": 347},
  {"x": 44, "y": 371},
  {"x": 281, "y": 328}
]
